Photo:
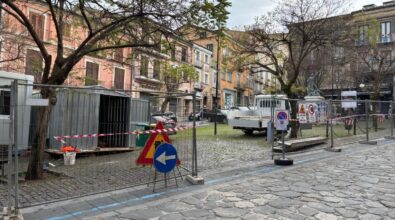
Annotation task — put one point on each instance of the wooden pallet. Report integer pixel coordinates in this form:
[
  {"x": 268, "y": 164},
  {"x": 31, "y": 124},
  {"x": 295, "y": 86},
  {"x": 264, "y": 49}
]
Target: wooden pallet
[{"x": 297, "y": 144}]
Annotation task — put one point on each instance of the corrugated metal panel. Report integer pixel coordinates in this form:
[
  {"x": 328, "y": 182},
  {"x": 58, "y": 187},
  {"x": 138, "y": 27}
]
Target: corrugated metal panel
[
  {"x": 139, "y": 113},
  {"x": 76, "y": 112}
]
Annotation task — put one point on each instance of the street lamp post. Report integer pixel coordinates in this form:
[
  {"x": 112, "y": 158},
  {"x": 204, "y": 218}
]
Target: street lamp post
[{"x": 216, "y": 87}]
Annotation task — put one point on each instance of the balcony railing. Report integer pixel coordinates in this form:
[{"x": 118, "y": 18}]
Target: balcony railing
[{"x": 386, "y": 38}]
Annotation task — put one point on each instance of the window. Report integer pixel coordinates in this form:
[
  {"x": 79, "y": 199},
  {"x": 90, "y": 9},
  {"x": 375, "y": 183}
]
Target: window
[
  {"x": 363, "y": 34},
  {"x": 144, "y": 66},
  {"x": 156, "y": 74},
  {"x": 202, "y": 34},
  {"x": 173, "y": 52},
  {"x": 215, "y": 79},
  {"x": 66, "y": 30},
  {"x": 224, "y": 54},
  {"x": 210, "y": 47},
  {"x": 118, "y": 55},
  {"x": 119, "y": 78},
  {"x": 230, "y": 75},
  {"x": 385, "y": 32},
  {"x": 223, "y": 75},
  {"x": 206, "y": 78},
  {"x": 197, "y": 57},
  {"x": 206, "y": 58},
  {"x": 34, "y": 65},
  {"x": 37, "y": 22},
  {"x": 5, "y": 97},
  {"x": 184, "y": 54},
  {"x": 92, "y": 74}
]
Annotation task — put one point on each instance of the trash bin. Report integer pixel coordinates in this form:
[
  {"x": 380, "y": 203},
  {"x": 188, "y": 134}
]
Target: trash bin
[{"x": 142, "y": 138}]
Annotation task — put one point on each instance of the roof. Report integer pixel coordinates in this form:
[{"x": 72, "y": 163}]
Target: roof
[{"x": 97, "y": 89}]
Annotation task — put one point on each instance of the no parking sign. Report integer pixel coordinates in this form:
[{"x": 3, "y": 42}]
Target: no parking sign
[{"x": 282, "y": 120}]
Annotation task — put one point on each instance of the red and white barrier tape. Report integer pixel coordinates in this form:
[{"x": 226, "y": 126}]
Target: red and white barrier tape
[
  {"x": 380, "y": 117},
  {"x": 157, "y": 131}
]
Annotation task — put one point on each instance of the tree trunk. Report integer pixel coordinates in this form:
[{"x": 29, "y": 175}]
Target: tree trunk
[
  {"x": 375, "y": 97},
  {"x": 35, "y": 168},
  {"x": 294, "y": 124},
  {"x": 164, "y": 104},
  {"x": 294, "y": 110}
]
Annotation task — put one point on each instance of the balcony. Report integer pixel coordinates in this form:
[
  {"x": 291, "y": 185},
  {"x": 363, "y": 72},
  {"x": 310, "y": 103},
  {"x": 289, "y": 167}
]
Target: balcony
[
  {"x": 198, "y": 86},
  {"x": 241, "y": 85},
  {"x": 386, "y": 39},
  {"x": 198, "y": 63}
]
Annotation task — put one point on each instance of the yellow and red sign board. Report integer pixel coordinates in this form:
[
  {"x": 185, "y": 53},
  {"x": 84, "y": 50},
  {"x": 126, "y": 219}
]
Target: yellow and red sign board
[{"x": 146, "y": 156}]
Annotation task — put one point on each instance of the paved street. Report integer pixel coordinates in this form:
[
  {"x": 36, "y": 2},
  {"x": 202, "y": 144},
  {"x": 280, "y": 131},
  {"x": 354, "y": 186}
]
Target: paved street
[{"x": 358, "y": 183}]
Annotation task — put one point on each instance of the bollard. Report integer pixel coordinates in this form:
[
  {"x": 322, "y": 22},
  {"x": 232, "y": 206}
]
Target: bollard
[
  {"x": 391, "y": 118},
  {"x": 355, "y": 125},
  {"x": 367, "y": 141}
]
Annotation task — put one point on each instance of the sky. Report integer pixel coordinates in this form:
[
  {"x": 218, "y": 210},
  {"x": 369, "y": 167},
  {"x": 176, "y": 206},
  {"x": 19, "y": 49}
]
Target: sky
[{"x": 243, "y": 12}]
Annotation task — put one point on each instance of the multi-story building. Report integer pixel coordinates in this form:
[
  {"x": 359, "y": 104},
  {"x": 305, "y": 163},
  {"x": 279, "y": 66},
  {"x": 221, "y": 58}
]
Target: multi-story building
[
  {"x": 236, "y": 85},
  {"x": 140, "y": 69},
  {"x": 364, "y": 59},
  {"x": 109, "y": 69},
  {"x": 202, "y": 60}
]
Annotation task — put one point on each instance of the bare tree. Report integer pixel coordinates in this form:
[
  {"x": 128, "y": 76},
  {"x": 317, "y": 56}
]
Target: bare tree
[
  {"x": 108, "y": 25},
  {"x": 286, "y": 36}
]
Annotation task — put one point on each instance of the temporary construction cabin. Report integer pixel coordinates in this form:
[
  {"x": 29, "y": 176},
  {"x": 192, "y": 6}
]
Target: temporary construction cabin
[
  {"x": 23, "y": 115},
  {"x": 95, "y": 110}
]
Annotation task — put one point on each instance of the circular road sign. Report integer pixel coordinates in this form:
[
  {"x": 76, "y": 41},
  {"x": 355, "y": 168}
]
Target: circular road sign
[
  {"x": 282, "y": 116},
  {"x": 165, "y": 158}
]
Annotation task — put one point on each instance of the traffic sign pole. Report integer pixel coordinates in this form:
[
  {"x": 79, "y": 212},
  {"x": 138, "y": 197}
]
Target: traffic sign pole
[{"x": 282, "y": 121}]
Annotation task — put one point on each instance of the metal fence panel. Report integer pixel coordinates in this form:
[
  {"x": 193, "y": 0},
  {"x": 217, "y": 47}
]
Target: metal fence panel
[{"x": 98, "y": 168}]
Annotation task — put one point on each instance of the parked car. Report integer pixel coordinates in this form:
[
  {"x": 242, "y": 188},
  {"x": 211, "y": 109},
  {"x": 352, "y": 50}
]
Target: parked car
[
  {"x": 167, "y": 114},
  {"x": 167, "y": 122},
  {"x": 217, "y": 115},
  {"x": 200, "y": 115}
]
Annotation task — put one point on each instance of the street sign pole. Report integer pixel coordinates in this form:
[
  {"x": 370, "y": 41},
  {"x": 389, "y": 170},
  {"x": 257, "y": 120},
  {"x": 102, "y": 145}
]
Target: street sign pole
[{"x": 282, "y": 122}]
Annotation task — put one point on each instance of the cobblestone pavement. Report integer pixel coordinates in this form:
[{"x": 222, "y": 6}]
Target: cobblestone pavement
[
  {"x": 352, "y": 186},
  {"x": 112, "y": 172}
]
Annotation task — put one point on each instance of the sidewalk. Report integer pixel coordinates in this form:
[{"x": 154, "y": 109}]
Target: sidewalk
[{"x": 358, "y": 183}]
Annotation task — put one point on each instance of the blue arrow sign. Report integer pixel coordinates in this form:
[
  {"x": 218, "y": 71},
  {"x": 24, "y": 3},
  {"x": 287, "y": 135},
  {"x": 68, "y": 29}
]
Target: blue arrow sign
[{"x": 165, "y": 158}]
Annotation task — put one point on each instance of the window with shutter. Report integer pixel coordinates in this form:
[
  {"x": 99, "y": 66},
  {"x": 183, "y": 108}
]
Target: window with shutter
[
  {"x": 156, "y": 74},
  {"x": 119, "y": 78},
  {"x": 37, "y": 22},
  {"x": 118, "y": 55},
  {"x": 34, "y": 65},
  {"x": 144, "y": 66},
  {"x": 92, "y": 74},
  {"x": 184, "y": 54}
]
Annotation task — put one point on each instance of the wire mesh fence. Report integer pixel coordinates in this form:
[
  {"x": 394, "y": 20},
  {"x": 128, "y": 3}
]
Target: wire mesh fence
[
  {"x": 91, "y": 138},
  {"x": 108, "y": 129}
]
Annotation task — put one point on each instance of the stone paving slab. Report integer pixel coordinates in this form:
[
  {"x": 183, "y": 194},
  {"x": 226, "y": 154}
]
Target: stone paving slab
[{"x": 352, "y": 186}]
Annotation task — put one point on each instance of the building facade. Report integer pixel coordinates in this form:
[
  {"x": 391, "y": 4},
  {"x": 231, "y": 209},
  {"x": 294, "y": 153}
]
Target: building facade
[
  {"x": 363, "y": 60},
  {"x": 140, "y": 69},
  {"x": 236, "y": 83}
]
